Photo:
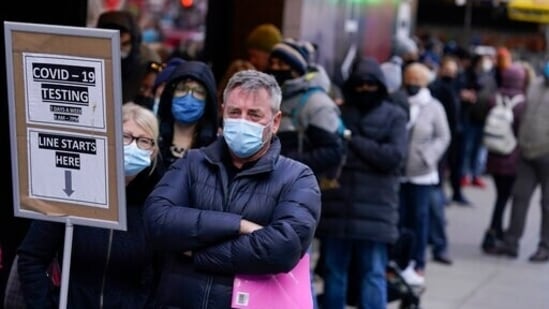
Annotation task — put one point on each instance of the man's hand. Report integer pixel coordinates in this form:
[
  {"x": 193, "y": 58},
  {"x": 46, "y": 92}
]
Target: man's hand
[{"x": 248, "y": 227}]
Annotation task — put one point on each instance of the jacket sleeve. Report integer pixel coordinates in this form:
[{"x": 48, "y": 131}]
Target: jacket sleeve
[
  {"x": 279, "y": 245},
  {"x": 385, "y": 155},
  {"x": 42, "y": 242},
  {"x": 172, "y": 224}
]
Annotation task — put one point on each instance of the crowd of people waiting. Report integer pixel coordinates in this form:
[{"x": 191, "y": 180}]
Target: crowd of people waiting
[{"x": 240, "y": 175}]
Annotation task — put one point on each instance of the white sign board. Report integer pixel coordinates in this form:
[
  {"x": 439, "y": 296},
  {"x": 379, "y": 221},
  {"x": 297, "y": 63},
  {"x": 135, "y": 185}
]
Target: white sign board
[
  {"x": 68, "y": 162},
  {"x": 65, "y": 102},
  {"x": 63, "y": 90}
]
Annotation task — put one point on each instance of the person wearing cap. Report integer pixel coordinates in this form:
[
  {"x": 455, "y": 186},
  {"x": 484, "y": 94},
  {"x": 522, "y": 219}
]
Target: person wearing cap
[
  {"x": 310, "y": 118},
  {"x": 259, "y": 44},
  {"x": 309, "y": 128},
  {"x": 187, "y": 110}
]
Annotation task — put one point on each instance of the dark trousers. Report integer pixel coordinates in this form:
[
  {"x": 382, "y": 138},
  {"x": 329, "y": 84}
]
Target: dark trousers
[
  {"x": 437, "y": 222},
  {"x": 472, "y": 150},
  {"x": 362, "y": 261},
  {"x": 504, "y": 186},
  {"x": 455, "y": 165},
  {"x": 414, "y": 216},
  {"x": 531, "y": 173}
]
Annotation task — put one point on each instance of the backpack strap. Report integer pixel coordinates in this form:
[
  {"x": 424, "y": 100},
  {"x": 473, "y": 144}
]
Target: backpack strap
[
  {"x": 515, "y": 100},
  {"x": 499, "y": 99},
  {"x": 509, "y": 102},
  {"x": 302, "y": 101},
  {"x": 297, "y": 110}
]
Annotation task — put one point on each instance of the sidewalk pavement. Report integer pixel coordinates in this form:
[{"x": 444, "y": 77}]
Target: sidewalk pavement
[{"x": 478, "y": 281}]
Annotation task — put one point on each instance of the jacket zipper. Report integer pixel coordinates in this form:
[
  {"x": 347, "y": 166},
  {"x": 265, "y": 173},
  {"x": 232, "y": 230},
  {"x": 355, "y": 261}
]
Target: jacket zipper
[{"x": 206, "y": 299}]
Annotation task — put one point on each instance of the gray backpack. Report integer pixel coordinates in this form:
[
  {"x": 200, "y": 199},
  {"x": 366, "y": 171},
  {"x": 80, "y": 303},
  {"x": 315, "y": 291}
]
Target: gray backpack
[{"x": 498, "y": 135}]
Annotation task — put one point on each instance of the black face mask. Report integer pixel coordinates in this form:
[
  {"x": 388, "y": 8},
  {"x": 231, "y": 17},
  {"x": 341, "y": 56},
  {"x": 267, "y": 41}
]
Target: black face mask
[
  {"x": 366, "y": 100},
  {"x": 412, "y": 89},
  {"x": 447, "y": 79},
  {"x": 281, "y": 76}
]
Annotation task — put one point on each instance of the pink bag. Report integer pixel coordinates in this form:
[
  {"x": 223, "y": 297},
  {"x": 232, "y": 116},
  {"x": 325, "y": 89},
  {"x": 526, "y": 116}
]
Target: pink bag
[{"x": 290, "y": 290}]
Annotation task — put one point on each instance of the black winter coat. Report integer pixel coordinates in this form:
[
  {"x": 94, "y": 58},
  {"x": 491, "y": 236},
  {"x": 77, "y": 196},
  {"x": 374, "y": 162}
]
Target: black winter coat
[{"x": 366, "y": 204}]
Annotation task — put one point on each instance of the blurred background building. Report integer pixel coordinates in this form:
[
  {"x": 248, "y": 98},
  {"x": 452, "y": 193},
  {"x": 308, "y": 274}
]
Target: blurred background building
[{"x": 214, "y": 30}]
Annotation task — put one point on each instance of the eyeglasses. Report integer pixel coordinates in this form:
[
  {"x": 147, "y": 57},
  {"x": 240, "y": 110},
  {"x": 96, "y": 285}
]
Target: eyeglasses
[
  {"x": 144, "y": 143},
  {"x": 197, "y": 91}
]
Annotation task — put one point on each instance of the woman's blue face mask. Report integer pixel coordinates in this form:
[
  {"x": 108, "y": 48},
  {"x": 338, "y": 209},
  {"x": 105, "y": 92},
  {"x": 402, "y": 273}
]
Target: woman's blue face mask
[{"x": 187, "y": 108}]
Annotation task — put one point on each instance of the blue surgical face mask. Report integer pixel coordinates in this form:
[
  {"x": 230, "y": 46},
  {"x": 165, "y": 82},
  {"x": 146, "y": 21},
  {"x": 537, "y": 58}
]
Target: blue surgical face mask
[
  {"x": 135, "y": 159},
  {"x": 187, "y": 109},
  {"x": 244, "y": 138}
]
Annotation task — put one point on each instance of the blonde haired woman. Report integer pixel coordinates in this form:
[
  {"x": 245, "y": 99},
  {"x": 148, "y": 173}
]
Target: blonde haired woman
[
  {"x": 109, "y": 269},
  {"x": 429, "y": 136}
]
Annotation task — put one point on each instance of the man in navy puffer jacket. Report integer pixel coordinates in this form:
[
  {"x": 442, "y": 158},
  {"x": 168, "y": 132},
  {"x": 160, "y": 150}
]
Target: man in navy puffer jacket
[{"x": 234, "y": 207}]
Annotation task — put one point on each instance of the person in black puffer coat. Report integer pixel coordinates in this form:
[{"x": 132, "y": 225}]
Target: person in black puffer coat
[{"x": 360, "y": 219}]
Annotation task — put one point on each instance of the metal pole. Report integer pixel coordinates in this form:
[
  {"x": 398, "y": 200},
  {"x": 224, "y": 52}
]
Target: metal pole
[{"x": 65, "y": 270}]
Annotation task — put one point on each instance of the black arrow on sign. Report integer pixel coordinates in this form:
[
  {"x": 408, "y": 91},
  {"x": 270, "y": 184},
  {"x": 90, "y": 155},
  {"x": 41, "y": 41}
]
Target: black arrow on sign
[{"x": 68, "y": 183}]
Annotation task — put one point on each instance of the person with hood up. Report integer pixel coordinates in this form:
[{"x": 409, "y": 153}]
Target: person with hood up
[
  {"x": 135, "y": 54},
  {"x": 360, "y": 218},
  {"x": 161, "y": 80},
  {"x": 187, "y": 110},
  {"x": 310, "y": 118}
]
